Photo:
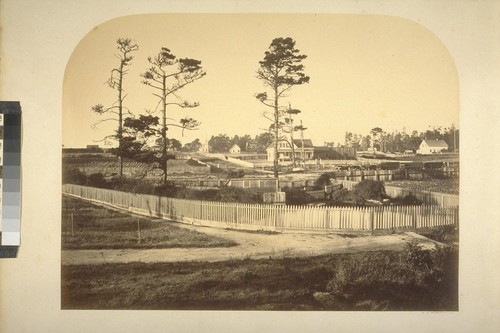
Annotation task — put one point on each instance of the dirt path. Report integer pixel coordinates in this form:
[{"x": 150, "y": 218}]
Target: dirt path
[{"x": 251, "y": 245}]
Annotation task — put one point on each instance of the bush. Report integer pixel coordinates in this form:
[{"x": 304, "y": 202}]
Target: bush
[
  {"x": 235, "y": 174},
  {"x": 231, "y": 194},
  {"x": 167, "y": 190},
  {"x": 361, "y": 271},
  {"x": 97, "y": 180},
  {"x": 370, "y": 190},
  {"x": 433, "y": 272},
  {"x": 408, "y": 200},
  {"x": 195, "y": 163},
  {"x": 447, "y": 234},
  {"x": 341, "y": 196},
  {"x": 295, "y": 196},
  {"x": 429, "y": 267},
  {"x": 225, "y": 194},
  {"x": 132, "y": 185},
  {"x": 74, "y": 176},
  {"x": 322, "y": 181}
]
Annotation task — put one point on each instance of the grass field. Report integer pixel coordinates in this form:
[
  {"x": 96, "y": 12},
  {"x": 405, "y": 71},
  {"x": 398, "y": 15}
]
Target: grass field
[
  {"x": 88, "y": 226},
  {"x": 363, "y": 281}
]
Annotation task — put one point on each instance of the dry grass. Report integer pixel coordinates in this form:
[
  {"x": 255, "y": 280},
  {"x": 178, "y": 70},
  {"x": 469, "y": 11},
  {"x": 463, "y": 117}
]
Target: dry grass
[
  {"x": 88, "y": 226},
  {"x": 362, "y": 281}
]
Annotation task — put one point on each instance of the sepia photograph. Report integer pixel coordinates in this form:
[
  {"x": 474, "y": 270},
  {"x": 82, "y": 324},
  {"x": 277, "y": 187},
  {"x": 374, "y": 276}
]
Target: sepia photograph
[
  {"x": 249, "y": 166},
  {"x": 296, "y": 162}
]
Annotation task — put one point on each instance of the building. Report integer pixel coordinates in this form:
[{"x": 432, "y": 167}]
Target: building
[
  {"x": 204, "y": 148},
  {"x": 235, "y": 149},
  {"x": 432, "y": 147},
  {"x": 304, "y": 150}
]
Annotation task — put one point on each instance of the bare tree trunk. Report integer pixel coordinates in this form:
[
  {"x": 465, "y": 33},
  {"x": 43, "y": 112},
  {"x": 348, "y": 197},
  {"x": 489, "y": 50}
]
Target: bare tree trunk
[
  {"x": 164, "y": 130},
  {"x": 276, "y": 136},
  {"x": 120, "y": 116}
]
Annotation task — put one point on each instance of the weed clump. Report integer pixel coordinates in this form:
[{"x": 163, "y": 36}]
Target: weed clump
[{"x": 395, "y": 276}]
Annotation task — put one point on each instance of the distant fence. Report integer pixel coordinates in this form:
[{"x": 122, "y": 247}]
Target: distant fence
[
  {"x": 133, "y": 168},
  {"x": 428, "y": 198},
  {"x": 271, "y": 217}
]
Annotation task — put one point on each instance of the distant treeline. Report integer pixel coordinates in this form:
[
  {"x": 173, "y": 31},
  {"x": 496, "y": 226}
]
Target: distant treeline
[{"x": 400, "y": 141}]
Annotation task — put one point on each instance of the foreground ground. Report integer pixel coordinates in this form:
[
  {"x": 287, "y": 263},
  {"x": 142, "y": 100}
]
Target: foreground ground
[
  {"x": 252, "y": 271},
  {"x": 381, "y": 280}
]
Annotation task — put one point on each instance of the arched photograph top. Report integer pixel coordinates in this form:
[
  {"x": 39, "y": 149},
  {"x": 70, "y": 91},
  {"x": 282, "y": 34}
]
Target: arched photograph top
[{"x": 260, "y": 162}]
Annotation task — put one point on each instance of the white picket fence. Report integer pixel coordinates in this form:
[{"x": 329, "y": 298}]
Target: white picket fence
[{"x": 272, "y": 217}]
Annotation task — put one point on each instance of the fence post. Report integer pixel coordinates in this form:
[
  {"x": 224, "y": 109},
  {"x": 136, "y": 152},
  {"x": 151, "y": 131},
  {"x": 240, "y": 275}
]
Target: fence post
[
  {"x": 414, "y": 218},
  {"x": 327, "y": 218},
  {"x": 372, "y": 221},
  {"x": 159, "y": 206}
]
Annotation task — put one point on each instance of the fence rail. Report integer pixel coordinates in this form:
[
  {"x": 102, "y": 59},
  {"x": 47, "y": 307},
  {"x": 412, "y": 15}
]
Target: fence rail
[{"x": 270, "y": 217}]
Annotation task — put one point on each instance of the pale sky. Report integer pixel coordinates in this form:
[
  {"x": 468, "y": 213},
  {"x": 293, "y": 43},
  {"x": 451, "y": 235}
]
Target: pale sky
[{"x": 365, "y": 71}]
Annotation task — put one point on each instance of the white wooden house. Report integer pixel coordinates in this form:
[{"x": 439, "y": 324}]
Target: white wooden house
[
  {"x": 235, "y": 149},
  {"x": 432, "y": 147},
  {"x": 204, "y": 148},
  {"x": 285, "y": 150}
]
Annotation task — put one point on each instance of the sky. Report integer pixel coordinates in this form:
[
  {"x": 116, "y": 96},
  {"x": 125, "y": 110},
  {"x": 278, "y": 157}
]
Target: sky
[{"x": 365, "y": 71}]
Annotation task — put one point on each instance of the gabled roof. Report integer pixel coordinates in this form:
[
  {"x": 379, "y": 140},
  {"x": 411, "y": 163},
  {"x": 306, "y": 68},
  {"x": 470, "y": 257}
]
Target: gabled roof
[
  {"x": 436, "y": 143},
  {"x": 307, "y": 143},
  {"x": 298, "y": 143},
  {"x": 235, "y": 146}
]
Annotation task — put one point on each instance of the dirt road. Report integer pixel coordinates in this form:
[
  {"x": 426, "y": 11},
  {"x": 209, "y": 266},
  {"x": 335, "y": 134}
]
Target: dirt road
[{"x": 251, "y": 245}]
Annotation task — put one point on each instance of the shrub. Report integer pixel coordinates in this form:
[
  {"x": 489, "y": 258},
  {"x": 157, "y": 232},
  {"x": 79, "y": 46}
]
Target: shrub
[
  {"x": 195, "y": 163},
  {"x": 433, "y": 271},
  {"x": 447, "y": 234},
  {"x": 74, "y": 176},
  {"x": 225, "y": 194},
  {"x": 295, "y": 196},
  {"x": 231, "y": 194},
  {"x": 370, "y": 190},
  {"x": 194, "y": 194},
  {"x": 167, "y": 190},
  {"x": 236, "y": 174},
  {"x": 429, "y": 267},
  {"x": 341, "y": 195},
  {"x": 346, "y": 273},
  {"x": 132, "y": 185},
  {"x": 97, "y": 180},
  {"x": 408, "y": 200},
  {"x": 322, "y": 181}
]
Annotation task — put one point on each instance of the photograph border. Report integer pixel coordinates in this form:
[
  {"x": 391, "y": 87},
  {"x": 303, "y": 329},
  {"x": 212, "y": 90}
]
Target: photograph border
[{"x": 30, "y": 288}]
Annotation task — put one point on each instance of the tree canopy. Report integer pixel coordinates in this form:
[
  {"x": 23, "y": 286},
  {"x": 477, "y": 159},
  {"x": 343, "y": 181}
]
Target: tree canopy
[
  {"x": 280, "y": 70},
  {"x": 117, "y": 110},
  {"x": 166, "y": 76}
]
